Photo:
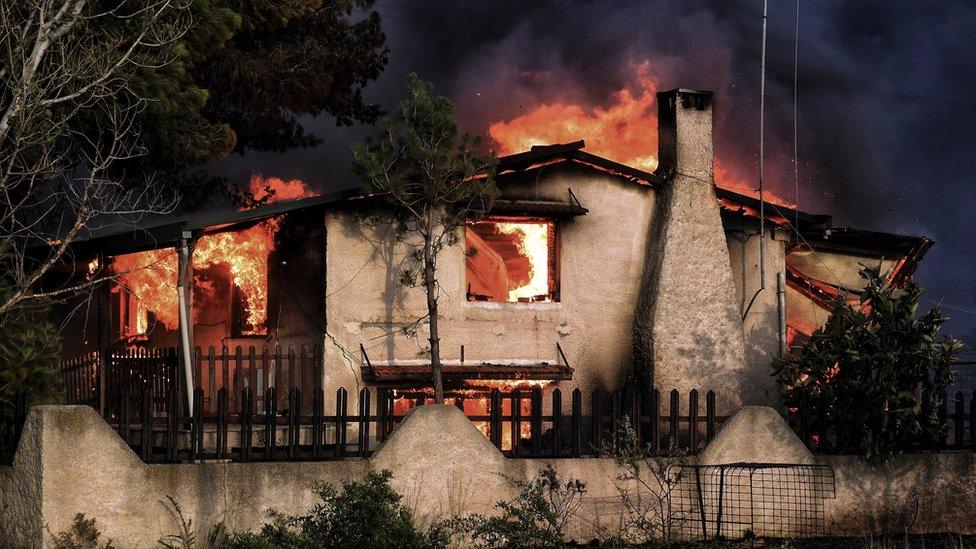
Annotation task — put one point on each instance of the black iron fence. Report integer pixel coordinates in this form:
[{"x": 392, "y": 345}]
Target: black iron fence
[
  {"x": 295, "y": 426},
  {"x": 842, "y": 425}
]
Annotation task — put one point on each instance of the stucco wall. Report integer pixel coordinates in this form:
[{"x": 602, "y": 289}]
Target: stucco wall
[
  {"x": 761, "y": 324},
  {"x": 601, "y": 257},
  {"x": 70, "y": 461},
  {"x": 883, "y": 499}
]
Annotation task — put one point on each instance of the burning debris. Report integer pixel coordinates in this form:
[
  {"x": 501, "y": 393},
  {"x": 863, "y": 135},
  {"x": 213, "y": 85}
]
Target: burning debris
[{"x": 147, "y": 285}]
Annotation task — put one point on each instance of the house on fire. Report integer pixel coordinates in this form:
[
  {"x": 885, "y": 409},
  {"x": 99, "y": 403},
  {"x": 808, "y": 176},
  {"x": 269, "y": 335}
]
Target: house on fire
[{"x": 587, "y": 273}]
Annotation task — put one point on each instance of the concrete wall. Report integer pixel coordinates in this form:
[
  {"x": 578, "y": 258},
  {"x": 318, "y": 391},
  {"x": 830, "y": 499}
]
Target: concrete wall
[
  {"x": 70, "y": 461},
  {"x": 884, "y": 499}
]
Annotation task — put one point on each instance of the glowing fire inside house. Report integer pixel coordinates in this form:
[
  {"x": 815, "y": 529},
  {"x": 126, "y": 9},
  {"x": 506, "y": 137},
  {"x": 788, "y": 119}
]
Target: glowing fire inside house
[
  {"x": 625, "y": 131},
  {"x": 511, "y": 260},
  {"x": 147, "y": 285},
  {"x": 476, "y": 403}
]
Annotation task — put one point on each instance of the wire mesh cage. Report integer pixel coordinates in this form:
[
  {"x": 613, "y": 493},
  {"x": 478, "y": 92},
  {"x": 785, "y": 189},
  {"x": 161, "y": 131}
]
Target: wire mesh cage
[{"x": 752, "y": 500}]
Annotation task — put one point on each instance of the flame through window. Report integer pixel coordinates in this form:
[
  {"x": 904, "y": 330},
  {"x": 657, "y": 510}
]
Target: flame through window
[{"x": 512, "y": 259}]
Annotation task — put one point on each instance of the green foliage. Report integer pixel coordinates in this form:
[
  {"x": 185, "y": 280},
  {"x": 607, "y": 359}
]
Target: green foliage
[
  {"x": 247, "y": 71},
  {"x": 431, "y": 177},
  {"x": 83, "y": 534},
  {"x": 29, "y": 355},
  {"x": 184, "y": 538},
  {"x": 366, "y": 514},
  {"x": 647, "y": 484},
  {"x": 876, "y": 356},
  {"x": 536, "y": 517},
  {"x": 432, "y": 180},
  {"x": 30, "y": 351}
]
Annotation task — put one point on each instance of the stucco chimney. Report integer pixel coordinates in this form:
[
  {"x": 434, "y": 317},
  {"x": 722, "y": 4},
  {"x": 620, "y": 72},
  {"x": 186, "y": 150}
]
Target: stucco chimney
[{"x": 688, "y": 329}]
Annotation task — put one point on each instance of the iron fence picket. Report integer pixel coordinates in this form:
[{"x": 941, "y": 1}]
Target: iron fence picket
[
  {"x": 247, "y": 422},
  {"x": 577, "y": 422},
  {"x": 673, "y": 420},
  {"x": 536, "y": 422},
  {"x": 495, "y": 409},
  {"x": 709, "y": 416},
  {"x": 557, "y": 422},
  {"x": 516, "y": 421},
  {"x": 270, "y": 423},
  {"x": 340, "y": 422},
  {"x": 364, "y": 408},
  {"x": 595, "y": 421},
  {"x": 655, "y": 426}
]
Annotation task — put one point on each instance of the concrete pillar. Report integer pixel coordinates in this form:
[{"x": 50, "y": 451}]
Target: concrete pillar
[
  {"x": 443, "y": 465},
  {"x": 688, "y": 326}
]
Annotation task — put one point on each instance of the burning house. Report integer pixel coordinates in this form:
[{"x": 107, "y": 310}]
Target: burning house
[{"x": 586, "y": 273}]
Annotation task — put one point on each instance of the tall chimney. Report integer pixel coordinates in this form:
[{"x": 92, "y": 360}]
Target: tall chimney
[{"x": 688, "y": 329}]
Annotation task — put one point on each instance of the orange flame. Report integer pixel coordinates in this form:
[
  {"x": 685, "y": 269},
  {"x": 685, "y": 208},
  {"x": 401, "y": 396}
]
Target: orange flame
[
  {"x": 533, "y": 244},
  {"x": 625, "y": 131},
  {"x": 275, "y": 189},
  {"x": 150, "y": 276}
]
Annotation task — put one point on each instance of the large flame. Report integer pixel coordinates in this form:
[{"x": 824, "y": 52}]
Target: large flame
[
  {"x": 533, "y": 243},
  {"x": 274, "y": 189},
  {"x": 150, "y": 277},
  {"x": 625, "y": 131}
]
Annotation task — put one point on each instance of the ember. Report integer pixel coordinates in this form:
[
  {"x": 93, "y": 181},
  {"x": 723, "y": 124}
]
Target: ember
[{"x": 149, "y": 278}]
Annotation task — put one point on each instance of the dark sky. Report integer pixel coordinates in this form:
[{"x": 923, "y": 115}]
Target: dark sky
[{"x": 886, "y": 102}]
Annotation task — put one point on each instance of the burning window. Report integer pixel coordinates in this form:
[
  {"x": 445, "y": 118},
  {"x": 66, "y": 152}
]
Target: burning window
[
  {"x": 512, "y": 259},
  {"x": 145, "y": 295},
  {"x": 230, "y": 278}
]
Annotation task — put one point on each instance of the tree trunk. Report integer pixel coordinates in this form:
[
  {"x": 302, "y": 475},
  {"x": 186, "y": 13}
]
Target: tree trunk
[{"x": 430, "y": 286}]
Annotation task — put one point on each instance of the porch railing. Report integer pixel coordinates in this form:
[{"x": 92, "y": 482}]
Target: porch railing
[{"x": 99, "y": 379}]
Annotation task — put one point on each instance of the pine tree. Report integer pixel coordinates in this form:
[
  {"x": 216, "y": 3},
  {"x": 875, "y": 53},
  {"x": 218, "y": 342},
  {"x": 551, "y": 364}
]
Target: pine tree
[
  {"x": 433, "y": 180},
  {"x": 246, "y": 72}
]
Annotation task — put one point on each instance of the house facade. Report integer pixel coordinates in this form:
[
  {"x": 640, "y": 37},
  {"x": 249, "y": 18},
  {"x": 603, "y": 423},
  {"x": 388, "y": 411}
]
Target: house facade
[{"x": 585, "y": 274}]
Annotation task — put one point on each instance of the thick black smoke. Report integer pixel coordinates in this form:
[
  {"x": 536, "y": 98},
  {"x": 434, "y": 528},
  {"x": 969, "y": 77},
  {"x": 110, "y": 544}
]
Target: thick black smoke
[{"x": 886, "y": 99}]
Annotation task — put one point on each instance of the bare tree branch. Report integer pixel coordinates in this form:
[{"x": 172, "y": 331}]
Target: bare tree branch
[{"x": 58, "y": 183}]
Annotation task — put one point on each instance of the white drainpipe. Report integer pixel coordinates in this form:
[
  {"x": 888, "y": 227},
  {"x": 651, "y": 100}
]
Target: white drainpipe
[{"x": 184, "y": 321}]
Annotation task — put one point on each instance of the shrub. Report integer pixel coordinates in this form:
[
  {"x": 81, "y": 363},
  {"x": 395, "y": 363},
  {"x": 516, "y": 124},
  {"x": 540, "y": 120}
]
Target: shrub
[
  {"x": 29, "y": 356},
  {"x": 647, "y": 484},
  {"x": 83, "y": 534},
  {"x": 875, "y": 357},
  {"x": 366, "y": 514},
  {"x": 536, "y": 517}
]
